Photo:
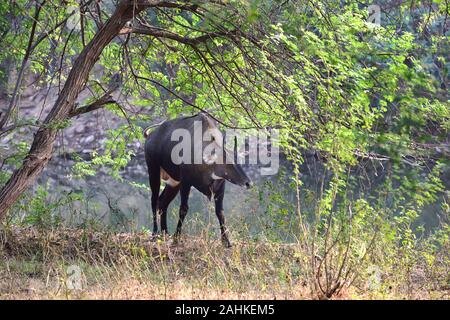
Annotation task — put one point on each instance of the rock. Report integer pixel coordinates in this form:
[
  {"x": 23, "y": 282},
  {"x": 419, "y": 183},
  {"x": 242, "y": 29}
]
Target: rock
[
  {"x": 79, "y": 129},
  {"x": 88, "y": 139}
]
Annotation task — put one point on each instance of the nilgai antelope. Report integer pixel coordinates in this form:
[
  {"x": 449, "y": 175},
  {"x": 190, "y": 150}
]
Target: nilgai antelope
[{"x": 187, "y": 163}]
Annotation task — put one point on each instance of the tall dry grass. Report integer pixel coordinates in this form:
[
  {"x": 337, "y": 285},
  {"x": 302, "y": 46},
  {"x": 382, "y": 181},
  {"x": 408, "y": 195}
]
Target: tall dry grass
[{"x": 37, "y": 264}]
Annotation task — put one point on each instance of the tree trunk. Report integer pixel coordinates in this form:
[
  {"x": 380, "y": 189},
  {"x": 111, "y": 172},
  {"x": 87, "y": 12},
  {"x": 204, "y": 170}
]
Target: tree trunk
[{"x": 42, "y": 147}]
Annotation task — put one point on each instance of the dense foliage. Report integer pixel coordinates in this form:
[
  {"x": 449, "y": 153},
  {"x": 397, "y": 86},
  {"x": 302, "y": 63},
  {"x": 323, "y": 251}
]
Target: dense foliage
[{"x": 365, "y": 104}]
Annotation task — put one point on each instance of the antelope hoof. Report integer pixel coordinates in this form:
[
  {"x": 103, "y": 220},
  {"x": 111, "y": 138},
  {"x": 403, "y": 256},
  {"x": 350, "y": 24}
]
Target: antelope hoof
[{"x": 226, "y": 243}]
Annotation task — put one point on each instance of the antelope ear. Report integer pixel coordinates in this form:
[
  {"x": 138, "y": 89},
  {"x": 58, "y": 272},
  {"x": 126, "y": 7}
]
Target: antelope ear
[
  {"x": 210, "y": 159},
  {"x": 210, "y": 122}
]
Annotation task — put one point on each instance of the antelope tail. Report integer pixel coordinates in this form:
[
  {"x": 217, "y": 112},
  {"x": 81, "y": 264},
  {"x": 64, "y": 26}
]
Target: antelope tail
[{"x": 148, "y": 130}]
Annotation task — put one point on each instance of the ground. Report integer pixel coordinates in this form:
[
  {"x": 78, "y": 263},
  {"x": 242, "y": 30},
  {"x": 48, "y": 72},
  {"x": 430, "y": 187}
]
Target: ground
[{"x": 82, "y": 264}]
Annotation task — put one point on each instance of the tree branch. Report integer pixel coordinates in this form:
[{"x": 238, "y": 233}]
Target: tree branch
[
  {"x": 102, "y": 101},
  {"x": 167, "y": 34}
]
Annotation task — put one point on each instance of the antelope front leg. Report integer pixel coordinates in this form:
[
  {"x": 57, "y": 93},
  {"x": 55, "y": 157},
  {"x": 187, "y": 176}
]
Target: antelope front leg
[
  {"x": 184, "y": 193},
  {"x": 218, "y": 199}
]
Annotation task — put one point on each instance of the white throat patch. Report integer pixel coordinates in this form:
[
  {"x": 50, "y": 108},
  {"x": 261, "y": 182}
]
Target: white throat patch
[{"x": 215, "y": 177}]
